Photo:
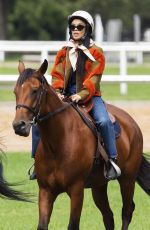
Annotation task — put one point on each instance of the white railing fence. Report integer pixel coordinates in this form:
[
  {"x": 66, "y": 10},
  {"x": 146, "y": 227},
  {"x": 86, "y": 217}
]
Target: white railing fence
[{"x": 46, "y": 49}]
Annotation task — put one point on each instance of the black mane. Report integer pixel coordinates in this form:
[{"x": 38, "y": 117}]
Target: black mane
[{"x": 28, "y": 73}]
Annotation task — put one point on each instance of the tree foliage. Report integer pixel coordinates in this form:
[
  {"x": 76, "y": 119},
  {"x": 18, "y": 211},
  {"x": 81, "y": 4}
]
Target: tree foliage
[
  {"x": 47, "y": 19},
  {"x": 3, "y": 16}
]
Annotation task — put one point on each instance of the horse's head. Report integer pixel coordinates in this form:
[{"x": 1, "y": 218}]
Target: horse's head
[{"x": 29, "y": 92}]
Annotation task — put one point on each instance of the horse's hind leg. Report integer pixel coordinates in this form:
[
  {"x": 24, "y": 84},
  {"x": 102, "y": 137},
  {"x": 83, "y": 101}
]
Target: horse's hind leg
[
  {"x": 46, "y": 200},
  {"x": 76, "y": 193},
  {"x": 127, "y": 186},
  {"x": 101, "y": 200}
]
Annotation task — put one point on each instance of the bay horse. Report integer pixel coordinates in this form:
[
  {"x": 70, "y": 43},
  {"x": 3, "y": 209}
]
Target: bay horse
[
  {"x": 6, "y": 188},
  {"x": 64, "y": 157}
]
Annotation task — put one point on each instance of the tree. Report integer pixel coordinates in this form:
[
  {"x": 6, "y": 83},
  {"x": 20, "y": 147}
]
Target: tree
[
  {"x": 38, "y": 20},
  {"x": 3, "y": 16},
  {"x": 5, "y": 7},
  {"x": 47, "y": 19}
]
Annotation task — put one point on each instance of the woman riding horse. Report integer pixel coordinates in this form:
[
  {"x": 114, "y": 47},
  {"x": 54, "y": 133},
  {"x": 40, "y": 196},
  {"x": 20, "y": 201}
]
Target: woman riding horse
[
  {"x": 77, "y": 74},
  {"x": 65, "y": 154}
]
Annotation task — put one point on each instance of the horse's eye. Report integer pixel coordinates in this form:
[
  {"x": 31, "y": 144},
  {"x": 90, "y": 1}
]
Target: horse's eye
[{"x": 34, "y": 91}]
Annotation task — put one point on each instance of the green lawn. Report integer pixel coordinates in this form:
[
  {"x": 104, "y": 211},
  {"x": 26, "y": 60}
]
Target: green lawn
[
  {"x": 132, "y": 69},
  {"x": 110, "y": 91},
  {"x": 9, "y": 68},
  {"x": 136, "y": 91},
  {"x": 24, "y": 216},
  {"x": 14, "y": 69}
]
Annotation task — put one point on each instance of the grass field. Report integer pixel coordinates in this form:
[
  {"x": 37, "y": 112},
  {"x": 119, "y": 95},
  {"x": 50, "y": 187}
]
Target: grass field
[
  {"x": 110, "y": 91},
  {"x": 12, "y": 68},
  {"x": 24, "y": 216}
]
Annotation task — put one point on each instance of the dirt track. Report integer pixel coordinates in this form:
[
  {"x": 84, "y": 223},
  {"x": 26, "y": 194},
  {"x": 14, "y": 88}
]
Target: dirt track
[
  {"x": 140, "y": 111},
  {"x": 10, "y": 140}
]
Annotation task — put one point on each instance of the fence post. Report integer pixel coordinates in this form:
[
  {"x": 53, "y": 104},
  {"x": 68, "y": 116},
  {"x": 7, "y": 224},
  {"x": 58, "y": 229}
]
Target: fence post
[
  {"x": 2, "y": 56},
  {"x": 123, "y": 72},
  {"x": 44, "y": 55}
]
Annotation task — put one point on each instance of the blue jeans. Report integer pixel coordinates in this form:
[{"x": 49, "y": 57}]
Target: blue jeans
[{"x": 104, "y": 125}]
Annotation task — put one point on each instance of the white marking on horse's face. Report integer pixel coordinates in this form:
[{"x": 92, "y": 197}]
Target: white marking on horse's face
[{"x": 22, "y": 85}]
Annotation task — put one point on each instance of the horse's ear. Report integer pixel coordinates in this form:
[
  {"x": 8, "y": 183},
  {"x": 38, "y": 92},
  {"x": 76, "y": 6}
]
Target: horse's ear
[
  {"x": 43, "y": 68},
  {"x": 21, "y": 67}
]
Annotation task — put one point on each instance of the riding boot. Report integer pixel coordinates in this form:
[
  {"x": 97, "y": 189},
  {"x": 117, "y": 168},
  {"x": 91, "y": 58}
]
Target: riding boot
[
  {"x": 32, "y": 176},
  {"x": 112, "y": 169}
]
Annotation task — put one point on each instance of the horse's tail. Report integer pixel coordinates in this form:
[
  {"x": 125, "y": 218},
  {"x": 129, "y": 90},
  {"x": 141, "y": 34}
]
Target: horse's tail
[
  {"x": 6, "y": 190},
  {"x": 143, "y": 177}
]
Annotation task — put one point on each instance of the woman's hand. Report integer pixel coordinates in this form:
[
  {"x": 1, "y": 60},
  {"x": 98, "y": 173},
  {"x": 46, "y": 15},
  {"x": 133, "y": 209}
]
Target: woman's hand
[
  {"x": 61, "y": 96},
  {"x": 76, "y": 98}
]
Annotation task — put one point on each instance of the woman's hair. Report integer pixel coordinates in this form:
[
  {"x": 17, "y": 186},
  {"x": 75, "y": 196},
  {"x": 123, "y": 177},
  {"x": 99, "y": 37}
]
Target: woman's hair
[{"x": 80, "y": 66}]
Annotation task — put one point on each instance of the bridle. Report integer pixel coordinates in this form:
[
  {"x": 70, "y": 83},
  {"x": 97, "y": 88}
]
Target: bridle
[{"x": 36, "y": 111}]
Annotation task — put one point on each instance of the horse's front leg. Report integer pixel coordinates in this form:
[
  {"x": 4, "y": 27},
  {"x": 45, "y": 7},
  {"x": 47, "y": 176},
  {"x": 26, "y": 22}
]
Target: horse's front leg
[
  {"x": 46, "y": 200},
  {"x": 76, "y": 193}
]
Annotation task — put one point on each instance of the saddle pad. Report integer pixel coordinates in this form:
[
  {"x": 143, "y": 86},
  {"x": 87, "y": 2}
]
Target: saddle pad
[{"x": 117, "y": 129}]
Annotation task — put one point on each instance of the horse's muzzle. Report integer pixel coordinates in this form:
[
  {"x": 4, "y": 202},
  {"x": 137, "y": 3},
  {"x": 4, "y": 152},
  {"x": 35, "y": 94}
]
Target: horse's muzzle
[{"x": 21, "y": 128}]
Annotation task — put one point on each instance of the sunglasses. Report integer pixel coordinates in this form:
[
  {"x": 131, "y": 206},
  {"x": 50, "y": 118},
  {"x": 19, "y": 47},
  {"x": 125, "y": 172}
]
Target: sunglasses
[{"x": 78, "y": 27}]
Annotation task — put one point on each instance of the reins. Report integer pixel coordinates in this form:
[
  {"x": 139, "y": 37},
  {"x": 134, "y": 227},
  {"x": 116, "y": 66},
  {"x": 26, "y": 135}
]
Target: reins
[{"x": 52, "y": 114}]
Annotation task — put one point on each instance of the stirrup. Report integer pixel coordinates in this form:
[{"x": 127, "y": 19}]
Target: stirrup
[
  {"x": 118, "y": 171},
  {"x": 32, "y": 175},
  {"x": 115, "y": 168}
]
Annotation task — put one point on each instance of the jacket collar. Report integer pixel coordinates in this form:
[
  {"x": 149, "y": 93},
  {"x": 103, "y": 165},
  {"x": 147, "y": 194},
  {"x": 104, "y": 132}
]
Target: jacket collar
[{"x": 73, "y": 54}]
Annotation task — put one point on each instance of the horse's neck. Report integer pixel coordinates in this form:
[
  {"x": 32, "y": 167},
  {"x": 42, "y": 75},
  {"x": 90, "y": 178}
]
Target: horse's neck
[
  {"x": 53, "y": 130},
  {"x": 52, "y": 102}
]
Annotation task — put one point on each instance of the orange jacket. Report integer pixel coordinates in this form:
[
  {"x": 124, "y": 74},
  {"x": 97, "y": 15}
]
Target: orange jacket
[{"x": 93, "y": 73}]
